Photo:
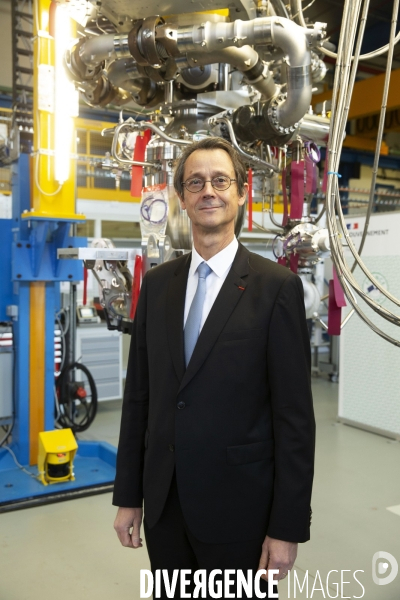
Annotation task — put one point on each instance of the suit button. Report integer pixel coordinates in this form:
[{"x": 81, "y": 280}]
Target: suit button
[
  {"x": 181, "y": 405},
  {"x": 171, "y": 447}
]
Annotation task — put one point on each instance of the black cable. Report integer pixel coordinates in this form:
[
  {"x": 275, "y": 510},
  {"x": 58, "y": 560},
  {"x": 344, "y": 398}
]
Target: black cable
[{"x": 68, "y": 402}]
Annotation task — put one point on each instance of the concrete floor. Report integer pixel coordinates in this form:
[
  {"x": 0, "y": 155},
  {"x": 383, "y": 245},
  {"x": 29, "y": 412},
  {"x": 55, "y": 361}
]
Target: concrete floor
[{"x": 70, "y": 551}]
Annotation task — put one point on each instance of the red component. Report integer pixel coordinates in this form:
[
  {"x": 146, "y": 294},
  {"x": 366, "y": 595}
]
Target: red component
[
  {"x": 297, "y": 196},
  {"x": 250, "y": 213},
  {"x": 137, "y": 275},
  {"x": 282, "y": 261},
  {"x": 61, "y": 455},
  {"x": 81, "y": 393},
  {"x": 285, "y": 198},
  {"x": 85, "y": 276},
  {"x": 294, "y": 262},
  {"x": 139, "y": 154},
  {"x": 334, "y": 312}
]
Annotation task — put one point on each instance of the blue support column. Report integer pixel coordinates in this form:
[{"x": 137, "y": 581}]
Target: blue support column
[
  {"x": 51, "y": 290},
  {"x": 20, "y": 442}
]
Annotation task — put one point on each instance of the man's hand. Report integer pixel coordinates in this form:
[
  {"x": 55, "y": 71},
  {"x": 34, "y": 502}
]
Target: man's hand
[
  {"x": 277, "y": 554},
  {"x": 127, "y": 519}
]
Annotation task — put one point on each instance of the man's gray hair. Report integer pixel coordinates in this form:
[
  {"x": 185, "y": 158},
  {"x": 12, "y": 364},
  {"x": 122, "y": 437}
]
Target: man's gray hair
[{"x": 212, "y": 143}]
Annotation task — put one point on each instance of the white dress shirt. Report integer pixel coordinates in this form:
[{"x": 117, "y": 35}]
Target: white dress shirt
[{"x": 220, "y": 265}]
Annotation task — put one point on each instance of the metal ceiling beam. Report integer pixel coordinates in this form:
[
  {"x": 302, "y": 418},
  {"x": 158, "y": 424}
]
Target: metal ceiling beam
[{"x": 367, "y": 96}]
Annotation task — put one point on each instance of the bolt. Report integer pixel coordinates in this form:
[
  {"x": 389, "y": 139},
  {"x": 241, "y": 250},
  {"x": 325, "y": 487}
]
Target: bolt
[
  {"x": 220, "y": 40},
  {"x": 204, "y": 44},
  {"x": 19, "y": 245},
  {"x": 147, "y": 33},
  {"x": 69, "y": 276},
  {"x": 19, "y": 275}
]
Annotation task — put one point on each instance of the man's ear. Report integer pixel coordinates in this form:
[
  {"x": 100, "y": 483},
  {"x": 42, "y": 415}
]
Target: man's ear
[{"x": 242, "y": 199}]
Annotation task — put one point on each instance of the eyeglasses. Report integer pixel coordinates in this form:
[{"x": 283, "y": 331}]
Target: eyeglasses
[{"x": 220, "y": 183}]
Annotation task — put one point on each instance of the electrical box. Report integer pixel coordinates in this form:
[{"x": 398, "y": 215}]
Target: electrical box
[{"x": 57, "y": 450}]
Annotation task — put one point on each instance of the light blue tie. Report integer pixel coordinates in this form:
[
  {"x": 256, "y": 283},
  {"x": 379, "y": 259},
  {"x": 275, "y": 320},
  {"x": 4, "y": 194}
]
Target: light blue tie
[{"x": 193, "y": 321}]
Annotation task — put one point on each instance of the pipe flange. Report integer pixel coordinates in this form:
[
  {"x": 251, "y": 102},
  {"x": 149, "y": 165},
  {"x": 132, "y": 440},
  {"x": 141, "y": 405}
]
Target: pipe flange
[
  {"x": 168, "y": 72},
  {"x": 133, "y": 43},
  {"x": 77, "y": 68},
  {"x": 167, "y": 35},
  {"x": 121, "y": 46},
  {"x": 273, "y": 117},
  {"x": 148, "y": 40}
]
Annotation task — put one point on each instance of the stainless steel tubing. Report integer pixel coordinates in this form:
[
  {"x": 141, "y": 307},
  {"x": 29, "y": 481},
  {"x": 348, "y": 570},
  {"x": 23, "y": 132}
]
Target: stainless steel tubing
[
  {"x": 162, "y": 134},
  {"x": 243, "y": 59},
  {"x": 104, "y": 47},
  {"x": 314, "y": 128},
  {"x": 122, "y": 73},
  {"x": 254, "y": 159},
  {"x": 126, "y": 161},
  {"x": 214, "y": 36}
]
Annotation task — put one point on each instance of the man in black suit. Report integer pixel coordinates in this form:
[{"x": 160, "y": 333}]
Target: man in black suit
[{"x": 217, "y": 435}]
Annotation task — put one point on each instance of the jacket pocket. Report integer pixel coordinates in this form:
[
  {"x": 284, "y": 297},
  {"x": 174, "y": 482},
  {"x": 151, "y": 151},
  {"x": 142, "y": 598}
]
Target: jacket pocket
[
  {"x": 249, "y": 453},
  {"x": 241, "y": 334}
]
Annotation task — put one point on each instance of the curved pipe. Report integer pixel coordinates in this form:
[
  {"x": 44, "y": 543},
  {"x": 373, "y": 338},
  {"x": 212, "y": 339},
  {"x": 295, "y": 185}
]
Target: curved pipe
[
  {"x": 114, "y": 153},
  {"x": 123, "y": 72},
  {"x": 104, "y": 47},
  {"x": 244, "y": 59},
  {"x": 162, "y": 134},
  {"x": 293, "y": 40},
  {"x": 210, "y": 36},
  {"x": 254, "y": 159}
]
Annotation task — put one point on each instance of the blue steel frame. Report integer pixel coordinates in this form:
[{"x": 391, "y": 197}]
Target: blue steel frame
[{"x": 29, "y": 247}]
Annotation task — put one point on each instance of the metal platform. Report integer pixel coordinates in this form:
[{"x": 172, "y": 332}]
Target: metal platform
[{"x": 94, "y": 468}]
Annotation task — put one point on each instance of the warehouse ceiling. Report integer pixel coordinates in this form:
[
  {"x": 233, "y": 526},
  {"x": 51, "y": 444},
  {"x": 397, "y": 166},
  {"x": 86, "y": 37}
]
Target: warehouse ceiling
[{"x": 376, "y": 35}]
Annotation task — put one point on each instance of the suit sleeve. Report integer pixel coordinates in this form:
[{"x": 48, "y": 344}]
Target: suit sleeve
[
  {"x": 128, "y": 486},
  {"x": 289, "y": 372}
]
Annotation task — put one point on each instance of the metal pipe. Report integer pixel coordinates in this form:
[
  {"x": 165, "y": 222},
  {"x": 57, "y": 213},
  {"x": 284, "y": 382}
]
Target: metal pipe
[
  {"x": 122, "y": 73},
  {"x": 243, "y": 59},
  {"x": 162, "y": 134},
  {"x": 104, "y": 47},
  {"x": 114, "y": 153},
  {"x": 271, "y": 212},
  {"x": 314, "y": 128},
  {"x": 169, "y": 92},
  {"x": 254, "y": 159},
  {"x": 295, "y": 41},
  {"x": 211, "y": 36},
  {"x": 381, "y": 127}
]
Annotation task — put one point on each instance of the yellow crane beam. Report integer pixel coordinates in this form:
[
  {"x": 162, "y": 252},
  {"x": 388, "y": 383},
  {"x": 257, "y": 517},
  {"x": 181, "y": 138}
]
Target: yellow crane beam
[{"x": 367, "y": 96}]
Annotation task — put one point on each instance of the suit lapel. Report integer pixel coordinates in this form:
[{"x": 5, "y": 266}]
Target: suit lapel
[
  {"x": 175, "y": 311},
  {"x": 231, "y": 292}
]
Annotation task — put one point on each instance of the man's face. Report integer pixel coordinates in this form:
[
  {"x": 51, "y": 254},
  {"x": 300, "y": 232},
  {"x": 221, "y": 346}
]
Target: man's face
[{"x": 210, "y": 209}]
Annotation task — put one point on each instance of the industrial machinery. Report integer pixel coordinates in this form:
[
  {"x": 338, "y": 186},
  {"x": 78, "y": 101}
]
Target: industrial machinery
[
  {"x": 245, "y": 73},
  {"x": 243, "y": 70}
]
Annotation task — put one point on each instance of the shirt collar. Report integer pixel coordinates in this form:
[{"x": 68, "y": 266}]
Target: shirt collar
[{"x": 219, "y": 263}]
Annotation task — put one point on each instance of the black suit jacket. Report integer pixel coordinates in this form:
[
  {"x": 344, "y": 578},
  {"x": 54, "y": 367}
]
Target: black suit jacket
[{"x": 238, "y": 423}]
